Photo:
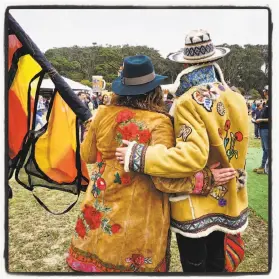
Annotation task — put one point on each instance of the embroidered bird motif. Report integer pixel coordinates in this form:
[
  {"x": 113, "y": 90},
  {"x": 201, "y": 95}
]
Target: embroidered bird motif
[{"x": 184, "y": 133}]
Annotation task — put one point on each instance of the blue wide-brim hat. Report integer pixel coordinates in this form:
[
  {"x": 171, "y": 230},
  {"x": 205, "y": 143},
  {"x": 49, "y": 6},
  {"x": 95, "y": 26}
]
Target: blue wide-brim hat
[{"x": 137, "y": 77}]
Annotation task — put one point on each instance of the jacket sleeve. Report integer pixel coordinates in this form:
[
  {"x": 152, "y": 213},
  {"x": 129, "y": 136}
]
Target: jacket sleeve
[
  {"x": 88, "y": 148},
  {"x": 188, "y": 157},
  {"x": 199, "y": 183}
]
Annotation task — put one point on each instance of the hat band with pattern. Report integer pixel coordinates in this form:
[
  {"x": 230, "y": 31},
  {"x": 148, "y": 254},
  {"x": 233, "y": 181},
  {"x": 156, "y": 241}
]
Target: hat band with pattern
[
  {"x": 138, "y": 80},
  {"x": 199, "y": 51}
]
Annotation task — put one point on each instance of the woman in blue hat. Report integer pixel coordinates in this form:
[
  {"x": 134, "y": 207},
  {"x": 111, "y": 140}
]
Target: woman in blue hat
[{"x": 123, "y": 225}]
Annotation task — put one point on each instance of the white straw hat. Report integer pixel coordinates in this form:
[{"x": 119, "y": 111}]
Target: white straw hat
[{"x": 198, "y": 49}]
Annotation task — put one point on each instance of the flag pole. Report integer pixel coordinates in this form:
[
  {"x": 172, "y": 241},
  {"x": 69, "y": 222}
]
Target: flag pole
[{"x": 63, "y": 88}]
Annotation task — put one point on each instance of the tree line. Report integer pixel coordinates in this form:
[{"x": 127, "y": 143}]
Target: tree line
[{"x": 241, "y": 67}]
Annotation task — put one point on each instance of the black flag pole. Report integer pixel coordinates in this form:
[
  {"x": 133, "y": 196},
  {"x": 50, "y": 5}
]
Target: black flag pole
[{"x": 68, "y": 95}]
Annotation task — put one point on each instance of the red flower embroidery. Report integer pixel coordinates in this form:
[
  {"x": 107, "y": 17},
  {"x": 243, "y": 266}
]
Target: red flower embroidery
[
  {"x": 220, "y": 133},
  {"x": 227, "y": 125},
  {"x": 238, "y": 136},
  {"x": 124, "y": 116},
  {"x": 80, "y": 229},
  {"x": 115, "y": 228},
  {"x": 99, "y": 157},
  {"x": 126, "y": 179},
  {"x": 102, "y": 169},
  {"x": 129, "y": 131},
  {"x": 101, "y": 183},
  {"x": 144, "y": 136},
  {"x": 138, "y": 259},
  {"x": 92, "y": 217}
]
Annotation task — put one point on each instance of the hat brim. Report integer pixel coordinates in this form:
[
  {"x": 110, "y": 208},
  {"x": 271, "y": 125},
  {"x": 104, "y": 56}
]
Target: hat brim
[
  {"x": 179, "y": 56},
  {"x": 131, "y": 90}
]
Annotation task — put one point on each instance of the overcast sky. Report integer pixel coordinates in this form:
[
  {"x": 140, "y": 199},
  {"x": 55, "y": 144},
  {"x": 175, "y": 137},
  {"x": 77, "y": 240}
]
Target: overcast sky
[{"x": 163, "y": 30}]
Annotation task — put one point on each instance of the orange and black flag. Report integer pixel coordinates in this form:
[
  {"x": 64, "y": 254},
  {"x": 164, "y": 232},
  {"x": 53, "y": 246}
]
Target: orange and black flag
[{"x": 48, "y": 157}]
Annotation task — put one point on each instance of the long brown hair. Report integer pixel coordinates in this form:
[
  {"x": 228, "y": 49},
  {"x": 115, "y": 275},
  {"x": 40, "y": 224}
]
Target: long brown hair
[{"x": 152, "y": 101}]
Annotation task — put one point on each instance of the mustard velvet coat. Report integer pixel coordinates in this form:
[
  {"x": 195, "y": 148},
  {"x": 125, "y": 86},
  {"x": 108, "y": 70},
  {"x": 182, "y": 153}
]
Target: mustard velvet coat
[{"x": 124, "y": 220}]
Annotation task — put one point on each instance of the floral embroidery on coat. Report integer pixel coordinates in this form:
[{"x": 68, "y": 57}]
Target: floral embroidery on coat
[
  {"x": 94, "y": 217},
  {"x": 234, "y": 137},
  {"x": 137, "y": 261},
  {"x": 130, "y": 129},
  {"x": 99, "y": 184},
  {"x": 125, "y": 179}
]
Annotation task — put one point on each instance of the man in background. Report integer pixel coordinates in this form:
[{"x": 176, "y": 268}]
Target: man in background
[
  {"x": 256, "y": 115},
  {"x": 263, "y": 123}
]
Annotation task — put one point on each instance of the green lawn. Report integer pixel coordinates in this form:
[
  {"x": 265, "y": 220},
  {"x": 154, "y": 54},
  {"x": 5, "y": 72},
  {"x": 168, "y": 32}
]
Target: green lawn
[
  {"x": 257, "y": 183},
  {"x": 38, "y": 240}
]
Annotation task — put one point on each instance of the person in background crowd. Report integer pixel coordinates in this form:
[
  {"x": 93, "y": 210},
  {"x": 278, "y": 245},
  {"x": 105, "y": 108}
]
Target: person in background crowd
[
  {"x": 256, "y": 115},
  {"x": 263, "y": 122},
  {"x": 248, "y": 107},
  {"x": 40, "y": 111},
  {"x": 169, "y": 102},
  {"x": 88, "y": 101},
  {"x": 94, "y": 101},
  {"x": 264, "y": 104},
  {"x": 46, "y": 103},
  {"x": 105, "y": 100},
  {"x": 253, "y": 108},
  {"x": 82, "y": 96},
  {"x": 99, "y": 99}
]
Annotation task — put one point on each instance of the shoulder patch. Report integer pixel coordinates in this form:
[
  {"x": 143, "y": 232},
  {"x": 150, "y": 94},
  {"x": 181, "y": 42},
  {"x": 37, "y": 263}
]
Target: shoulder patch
[
  {"x": 202, "y": 100},
  {"x": 205, "y": 96}
]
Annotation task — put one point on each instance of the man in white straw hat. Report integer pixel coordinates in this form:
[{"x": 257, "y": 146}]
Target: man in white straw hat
[{"x": 211, "y": 127}]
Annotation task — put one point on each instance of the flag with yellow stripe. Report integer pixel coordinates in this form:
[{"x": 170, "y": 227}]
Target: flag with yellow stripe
[{"x": 48, "y": 157}]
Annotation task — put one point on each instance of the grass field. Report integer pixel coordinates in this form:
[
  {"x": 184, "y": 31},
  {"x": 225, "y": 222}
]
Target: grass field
[
  {"x": 257, "y": 184},
  {"x": 38, "y": 240}
]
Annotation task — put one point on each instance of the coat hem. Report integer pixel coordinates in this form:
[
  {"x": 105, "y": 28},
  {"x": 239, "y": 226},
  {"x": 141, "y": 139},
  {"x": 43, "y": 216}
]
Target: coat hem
[
  {"x": 210, "y": 230},
  {"x": 79, "y": 260}
]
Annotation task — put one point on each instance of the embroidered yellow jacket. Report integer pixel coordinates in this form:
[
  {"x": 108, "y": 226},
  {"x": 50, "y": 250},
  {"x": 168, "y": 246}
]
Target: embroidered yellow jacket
[
  {"x": 211, "y": 125},
  {"x": 125, "y": 218}
]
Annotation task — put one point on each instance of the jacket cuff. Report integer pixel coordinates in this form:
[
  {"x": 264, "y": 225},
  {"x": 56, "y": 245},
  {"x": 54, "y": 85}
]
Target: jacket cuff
[
  {"x": 128, "y": 155},
  {"x": 137, "y": 157},
  {"x": 203, "y": 182}
]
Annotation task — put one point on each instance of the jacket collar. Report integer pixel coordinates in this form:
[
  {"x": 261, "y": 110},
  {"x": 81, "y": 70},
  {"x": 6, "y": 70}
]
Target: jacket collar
[{"x": 203, "y": 75}]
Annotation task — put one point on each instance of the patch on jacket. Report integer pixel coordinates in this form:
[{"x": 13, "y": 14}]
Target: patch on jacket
[
  {"x": 241, "y": 179},
  {"x": 185, "y": 132},
  {"x": 221, "y": 108},
  {"x": 218, "y": 193},
  {"x": 205, "y": 96}
]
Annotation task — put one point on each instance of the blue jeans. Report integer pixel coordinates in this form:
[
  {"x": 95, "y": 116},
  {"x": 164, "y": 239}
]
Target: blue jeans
[
  {"x": 256, "y": 130},
  {"x": 264, "y": 139},
  {"x": 39, "y": 120}
]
